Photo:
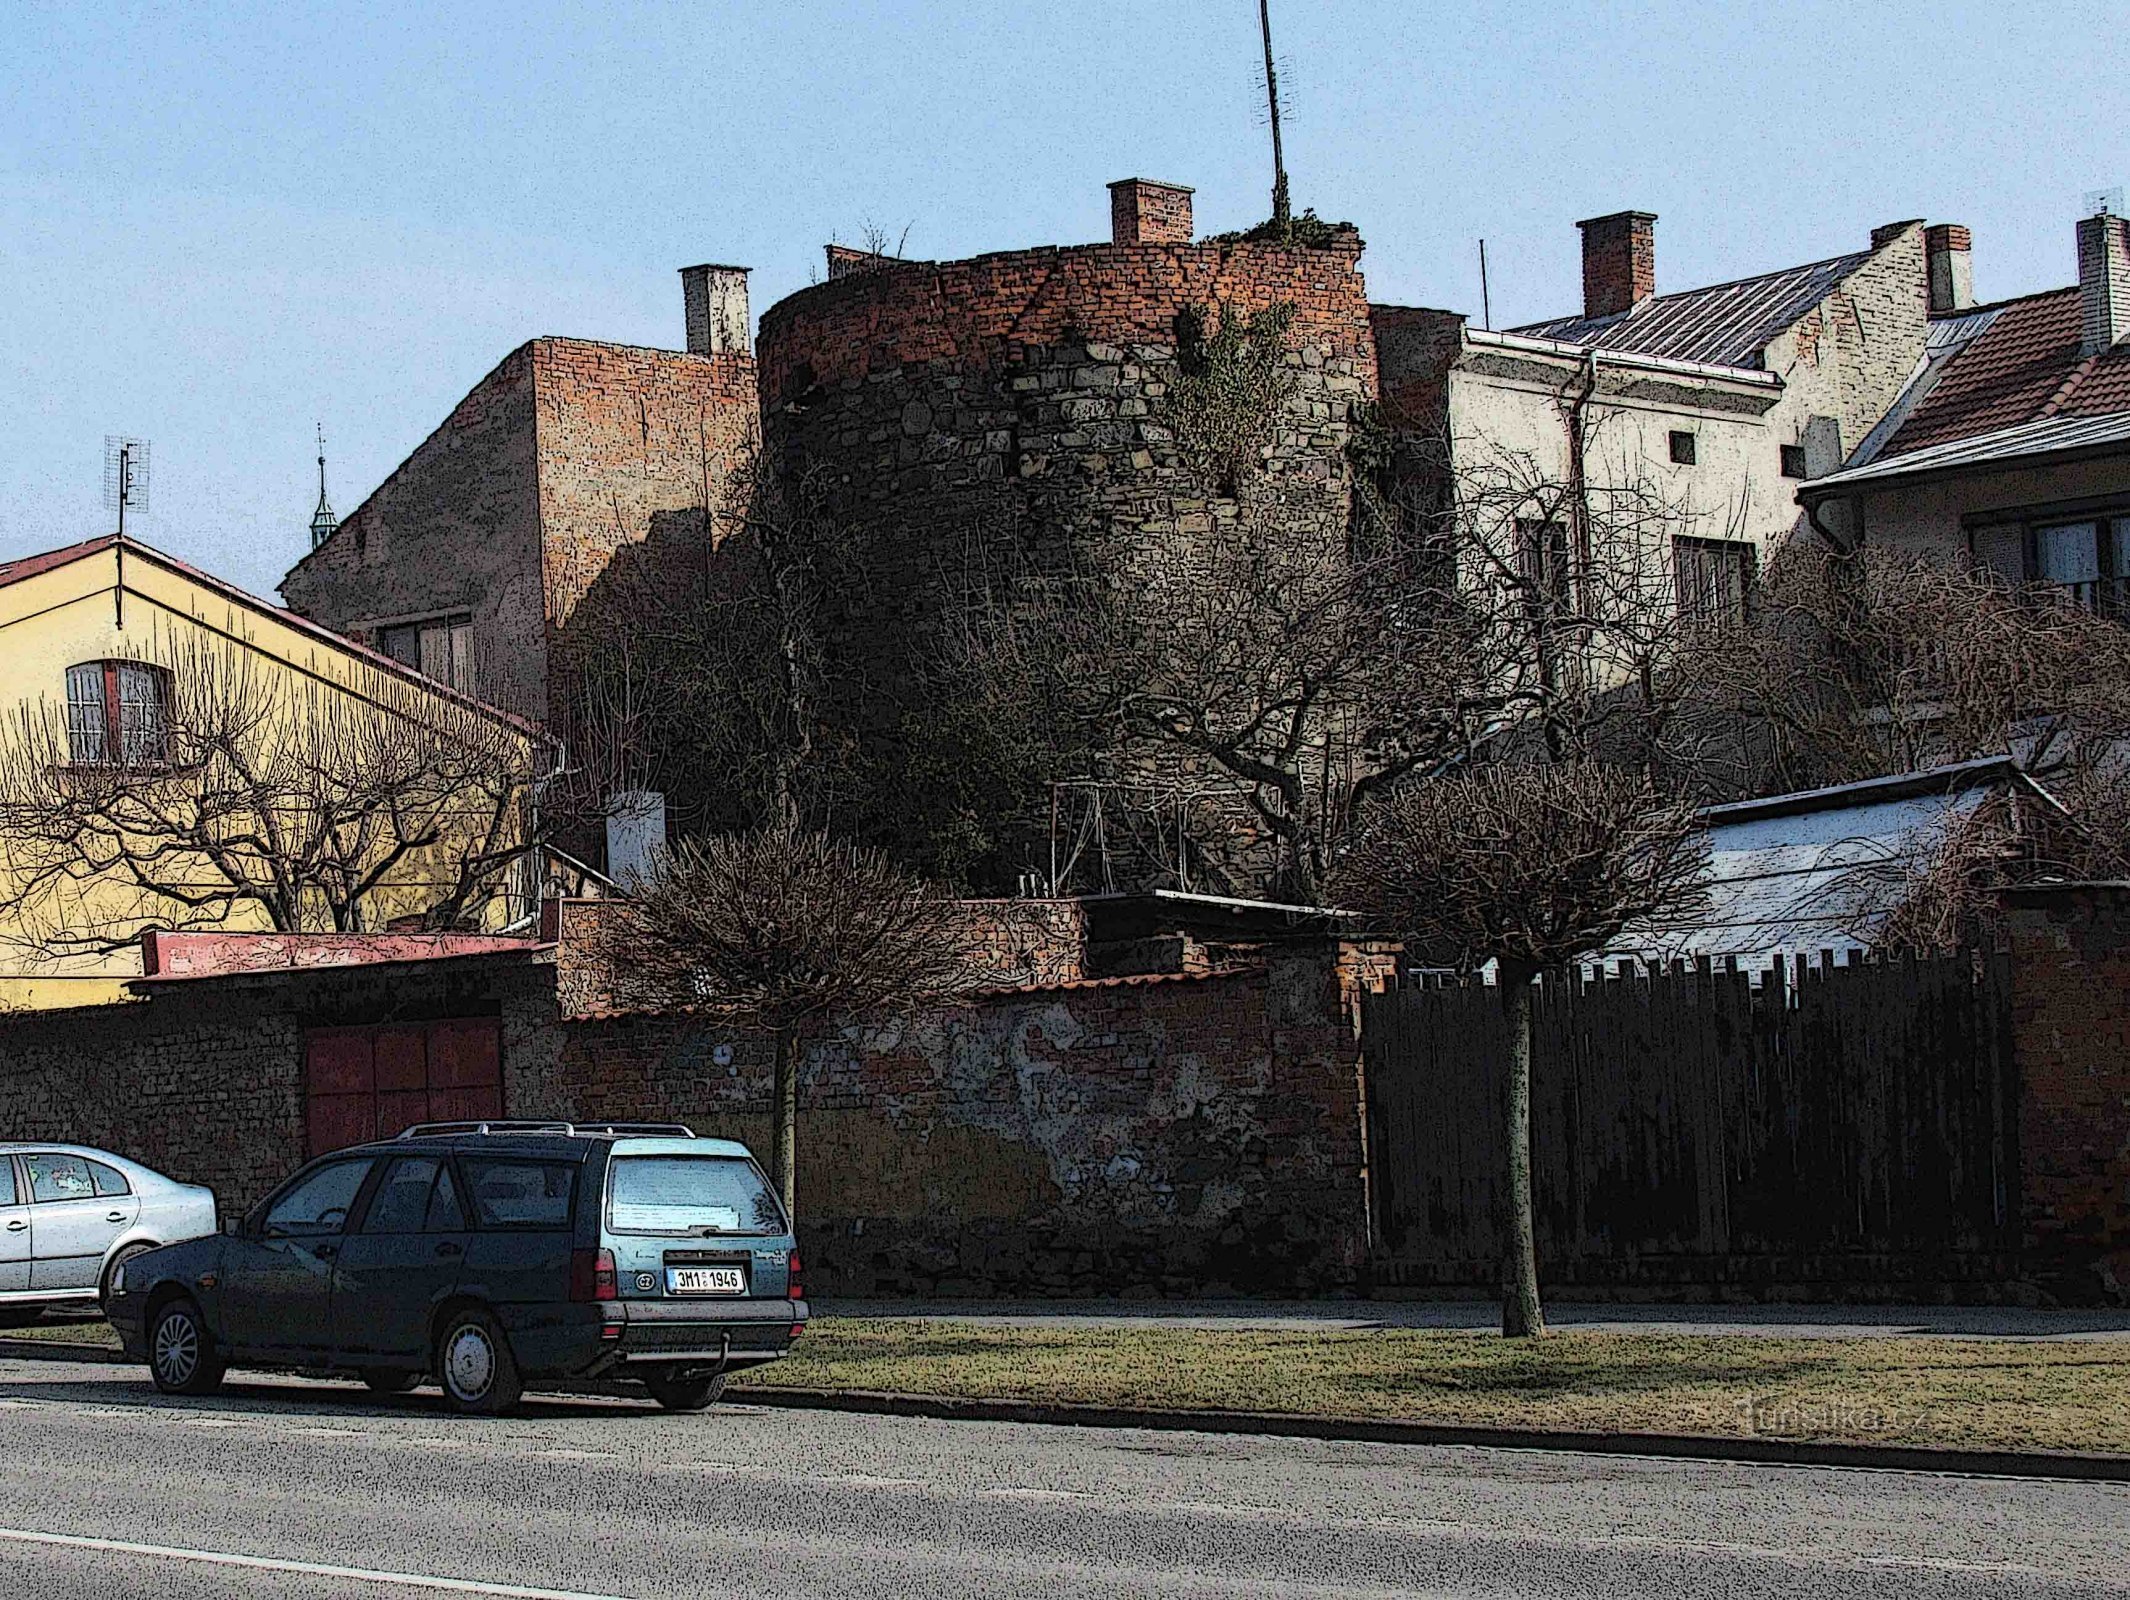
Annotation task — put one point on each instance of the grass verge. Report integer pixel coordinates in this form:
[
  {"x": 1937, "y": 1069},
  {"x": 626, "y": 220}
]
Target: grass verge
[{"x": 1960, "y": 1393}]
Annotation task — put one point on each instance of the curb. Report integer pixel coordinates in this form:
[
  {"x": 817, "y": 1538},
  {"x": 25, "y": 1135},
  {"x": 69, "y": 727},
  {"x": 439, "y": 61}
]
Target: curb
[
  {"x": 59, "y": 1350},
  {"x": 2066, "y": 1465},
  {"x": 1370, "y": 1430}
]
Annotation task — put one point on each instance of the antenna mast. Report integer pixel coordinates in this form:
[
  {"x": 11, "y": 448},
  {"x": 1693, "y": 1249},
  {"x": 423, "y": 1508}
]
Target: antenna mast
[{"x": 1282, "y": 214}]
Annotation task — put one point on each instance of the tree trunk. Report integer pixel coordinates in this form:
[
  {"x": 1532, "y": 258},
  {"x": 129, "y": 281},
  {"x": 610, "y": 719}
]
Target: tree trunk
[
  {"x": 784, "y": 1137},
  {"x": 1521, "y": 1314}
]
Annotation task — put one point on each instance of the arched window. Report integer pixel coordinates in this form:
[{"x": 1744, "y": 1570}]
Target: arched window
[{"x": 118, "y": 714}]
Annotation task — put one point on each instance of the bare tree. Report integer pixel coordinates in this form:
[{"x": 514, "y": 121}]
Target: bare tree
[
  {"x": 1861, "y": 665},
  {"x": 779, "y": 928},
  {"x": 238, "y": 795},
  {"x": 1528, "y": 867},
  {"x": 1586, "y": 626}
]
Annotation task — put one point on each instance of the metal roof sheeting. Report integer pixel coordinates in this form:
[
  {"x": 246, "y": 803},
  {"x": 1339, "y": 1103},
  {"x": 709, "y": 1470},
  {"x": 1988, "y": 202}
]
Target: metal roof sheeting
[
  {"x": 1726, "y": 324},
  {"x": 1822, "y": 869},
  {"x": 2050, "y": 436}
]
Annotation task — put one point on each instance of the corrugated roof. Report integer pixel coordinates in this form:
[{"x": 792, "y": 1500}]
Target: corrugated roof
[
  {"x": 1824, "y": 868},
  {"x": 2023, "y": 365},
  {"x": 2051, "y": 436},
  {"x": 1726, "y": 324}
]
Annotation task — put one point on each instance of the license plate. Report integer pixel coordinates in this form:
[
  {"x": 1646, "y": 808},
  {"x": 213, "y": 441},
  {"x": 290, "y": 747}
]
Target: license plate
[{"x": 706, "y": 1280}]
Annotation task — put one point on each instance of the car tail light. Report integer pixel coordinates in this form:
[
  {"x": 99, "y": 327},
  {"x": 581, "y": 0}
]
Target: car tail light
[
  {"x": 791, "y": 1273},
  {"x": 591, "y": 1275}
]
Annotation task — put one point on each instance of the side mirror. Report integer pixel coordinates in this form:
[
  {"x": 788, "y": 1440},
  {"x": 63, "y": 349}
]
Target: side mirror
[{"x": 233, "y": 1225}]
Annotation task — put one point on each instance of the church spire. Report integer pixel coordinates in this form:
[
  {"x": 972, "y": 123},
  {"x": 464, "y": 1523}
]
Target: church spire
[{"x": 323, "y": 522}]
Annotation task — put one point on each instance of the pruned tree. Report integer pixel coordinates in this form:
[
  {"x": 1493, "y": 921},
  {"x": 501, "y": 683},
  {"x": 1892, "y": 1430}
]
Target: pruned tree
[
  {"x": 779, "y": 928},
  {"x": 1529, "y": 867},
  {"x": 234, "y": 795}
]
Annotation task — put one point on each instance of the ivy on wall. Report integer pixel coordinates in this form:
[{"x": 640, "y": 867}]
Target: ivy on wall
[{"x": 1234, "y": 381}]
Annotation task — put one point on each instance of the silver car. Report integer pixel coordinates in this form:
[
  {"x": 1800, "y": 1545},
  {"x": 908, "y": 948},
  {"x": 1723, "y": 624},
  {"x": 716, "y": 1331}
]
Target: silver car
[{"x": 69, "y": 1214}]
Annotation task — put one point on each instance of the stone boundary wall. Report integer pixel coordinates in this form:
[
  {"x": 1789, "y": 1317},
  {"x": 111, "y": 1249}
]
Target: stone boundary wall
[
  {"x": 204, "y": 1081},
  {"x": 1173, "y": 1134}
]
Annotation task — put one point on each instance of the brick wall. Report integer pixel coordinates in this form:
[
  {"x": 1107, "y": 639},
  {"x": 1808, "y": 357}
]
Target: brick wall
[
  {"x": 204, "y": 1082},
  {"x": 1172, "y": 1134},
  {"x": 2071, "y": 1041},
  {"x": 455, "y": 528},
  {"x": 513, "y": 509}
]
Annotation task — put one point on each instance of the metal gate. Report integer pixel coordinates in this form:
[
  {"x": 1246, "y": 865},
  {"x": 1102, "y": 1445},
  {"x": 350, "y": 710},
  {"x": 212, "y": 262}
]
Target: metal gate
[{"x": 370, "y": 1082}]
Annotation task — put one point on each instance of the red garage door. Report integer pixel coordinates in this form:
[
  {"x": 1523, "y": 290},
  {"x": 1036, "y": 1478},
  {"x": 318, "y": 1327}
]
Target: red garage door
[{"x": 368, "y": 1083}]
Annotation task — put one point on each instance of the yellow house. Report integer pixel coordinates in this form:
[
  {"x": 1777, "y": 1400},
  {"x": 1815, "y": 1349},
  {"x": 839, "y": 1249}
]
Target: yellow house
[{"x": 178, "y": 754}]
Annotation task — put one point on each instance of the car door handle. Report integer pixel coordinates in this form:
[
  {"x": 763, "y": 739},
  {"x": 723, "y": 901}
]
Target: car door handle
[
  {"x": 17, "y": 1225},
  {"x": 114, "y": 1216},
  {"x": 447, "y": 1248},
  {"x": 325, "y": 1252}
]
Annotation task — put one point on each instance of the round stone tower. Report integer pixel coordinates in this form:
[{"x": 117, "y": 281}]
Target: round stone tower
[{"x": 959, "y": 421}]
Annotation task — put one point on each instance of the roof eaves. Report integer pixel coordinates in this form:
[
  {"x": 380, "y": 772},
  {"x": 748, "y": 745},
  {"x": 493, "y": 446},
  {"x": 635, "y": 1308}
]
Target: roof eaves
[{"x": 1950, "y": 779}]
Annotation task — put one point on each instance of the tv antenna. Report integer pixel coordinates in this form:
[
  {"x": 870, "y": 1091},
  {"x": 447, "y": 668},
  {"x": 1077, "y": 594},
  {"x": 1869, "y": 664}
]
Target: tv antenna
[
  {"x": 1282, "y": 213},
  {"x": 125, "y": 476}
]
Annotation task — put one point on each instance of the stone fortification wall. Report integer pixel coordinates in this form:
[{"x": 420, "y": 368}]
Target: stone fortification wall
[{"x": 967, "y": 424}]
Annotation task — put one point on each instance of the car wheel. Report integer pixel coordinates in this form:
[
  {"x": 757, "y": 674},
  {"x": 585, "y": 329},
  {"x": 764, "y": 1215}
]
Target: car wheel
[
  {"x": 182, "y": 1356},
  {"x": 474, "y": 1364},
  {"x": 678, "y": 1393},
  {"x": 103, "y": 1290},
  {"x": 390, "y": 1380}
]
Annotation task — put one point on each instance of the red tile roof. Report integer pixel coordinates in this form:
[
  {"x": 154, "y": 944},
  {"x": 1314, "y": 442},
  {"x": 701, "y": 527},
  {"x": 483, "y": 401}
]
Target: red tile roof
[
  {"x": 45, "y": 560},
  {"x": 2024, "y": 367}
]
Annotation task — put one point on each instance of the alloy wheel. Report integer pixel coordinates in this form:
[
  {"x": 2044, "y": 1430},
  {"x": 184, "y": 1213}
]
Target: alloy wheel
[{"x": 177, "y": 1348}]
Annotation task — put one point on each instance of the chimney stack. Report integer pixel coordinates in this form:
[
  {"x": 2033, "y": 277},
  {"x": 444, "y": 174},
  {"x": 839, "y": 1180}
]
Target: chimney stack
[
  {"x": 715, "y": 299},
  {"x": 1142, "y": 211},
  {"x": 1619, "y": 262},
  {"x": 2103, "y": 281},
  {"x": 1948, "y": 251}
]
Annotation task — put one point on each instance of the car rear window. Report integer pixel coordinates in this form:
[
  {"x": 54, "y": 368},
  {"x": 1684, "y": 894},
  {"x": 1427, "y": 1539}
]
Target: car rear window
[
  {"x": 520, "y": 1194},
  {"x": 691, "y": 1194}
]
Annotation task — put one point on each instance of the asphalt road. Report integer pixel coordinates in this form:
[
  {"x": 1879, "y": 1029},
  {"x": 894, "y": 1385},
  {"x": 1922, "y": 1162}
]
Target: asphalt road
[{"x": 284, "y": 1488}]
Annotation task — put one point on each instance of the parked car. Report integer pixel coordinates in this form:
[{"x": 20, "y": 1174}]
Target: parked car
[
  {"x": 70, "y": 1215},
  {"x": 486, "y": 1256}
]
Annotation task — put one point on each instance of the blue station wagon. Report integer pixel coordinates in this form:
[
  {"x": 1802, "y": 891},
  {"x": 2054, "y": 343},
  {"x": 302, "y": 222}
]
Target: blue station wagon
[{"x": 485, "y": 1257}]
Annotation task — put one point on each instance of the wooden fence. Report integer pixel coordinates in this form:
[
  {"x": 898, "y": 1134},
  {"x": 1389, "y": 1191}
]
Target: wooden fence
[{"x": 1706, "y": 1125}]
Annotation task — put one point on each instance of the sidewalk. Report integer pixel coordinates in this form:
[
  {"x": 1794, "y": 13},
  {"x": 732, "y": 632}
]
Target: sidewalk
[{"x": 1478, "y": 1316}]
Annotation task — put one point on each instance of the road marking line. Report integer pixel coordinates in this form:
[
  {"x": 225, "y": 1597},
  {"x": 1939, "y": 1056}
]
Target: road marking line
[{"x": 313, "y": 1569}]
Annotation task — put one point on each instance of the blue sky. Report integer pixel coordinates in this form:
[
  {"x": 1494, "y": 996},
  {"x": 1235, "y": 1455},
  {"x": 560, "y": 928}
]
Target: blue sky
[{"x": 219, "y": 224}]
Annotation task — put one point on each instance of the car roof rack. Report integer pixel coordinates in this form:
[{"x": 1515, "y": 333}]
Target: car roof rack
[{"x": 569, "y": 1130}]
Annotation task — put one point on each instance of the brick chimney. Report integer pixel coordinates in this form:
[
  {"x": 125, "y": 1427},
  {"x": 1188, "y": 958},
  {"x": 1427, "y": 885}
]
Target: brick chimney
[
  {"x": 716, "y": 302},
  {"x": 2103, "y": 281},
  {"x": 1142, "y": 211},
  {"x": 1619, "y": 262},
  {"x": 1948, "y": 253}
]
